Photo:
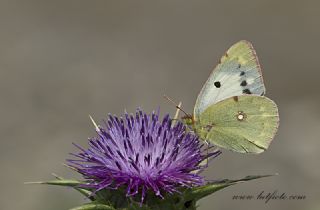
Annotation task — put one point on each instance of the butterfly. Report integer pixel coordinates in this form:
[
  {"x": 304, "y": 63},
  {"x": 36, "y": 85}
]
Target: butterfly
[{"x": 231, "y": 110}]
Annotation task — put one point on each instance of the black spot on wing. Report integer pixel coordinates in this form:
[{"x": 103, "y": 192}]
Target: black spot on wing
[
  {"x": 243, "y": 83},
  {"x": 208, "y": 127},
  {"x": 242, "y": 73},
  {"x": 217, "y": 84},
  {"x": 246, "y": 91}
]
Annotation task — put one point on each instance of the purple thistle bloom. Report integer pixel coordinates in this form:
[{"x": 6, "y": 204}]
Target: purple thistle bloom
[{"x": 142, "y": 153}]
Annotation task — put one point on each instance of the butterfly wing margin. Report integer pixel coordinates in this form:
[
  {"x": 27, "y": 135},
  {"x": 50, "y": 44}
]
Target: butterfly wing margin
[
  {"x": 220, "y": 123},
  {"x": 237, "y": 73}
]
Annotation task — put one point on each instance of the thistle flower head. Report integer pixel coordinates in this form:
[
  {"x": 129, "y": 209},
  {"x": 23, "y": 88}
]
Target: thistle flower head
[{"x": 141, "y": 152}]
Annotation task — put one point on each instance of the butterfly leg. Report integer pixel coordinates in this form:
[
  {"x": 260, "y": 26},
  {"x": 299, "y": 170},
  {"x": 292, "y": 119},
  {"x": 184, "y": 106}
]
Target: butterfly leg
[{"x": 207, "y": 143}]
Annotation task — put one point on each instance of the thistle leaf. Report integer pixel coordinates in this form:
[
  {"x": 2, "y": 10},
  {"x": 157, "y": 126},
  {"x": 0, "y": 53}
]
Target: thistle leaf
[
  {"x": 59, "y": 182},
  {"x": 93, "y": 206},
  {"x": 84, "y": 192},
  {"x": 200, "y": 192},
  {"x": 66, "y": 183}
]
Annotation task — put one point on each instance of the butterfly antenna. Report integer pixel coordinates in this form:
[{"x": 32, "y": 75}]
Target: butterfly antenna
[
  {"x": 207, "y": 152},
  {"x": 178, "y": 106}
]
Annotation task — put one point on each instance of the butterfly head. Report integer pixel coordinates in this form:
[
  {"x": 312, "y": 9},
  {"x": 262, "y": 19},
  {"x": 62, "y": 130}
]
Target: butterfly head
[{"x": 188, "y": 120}]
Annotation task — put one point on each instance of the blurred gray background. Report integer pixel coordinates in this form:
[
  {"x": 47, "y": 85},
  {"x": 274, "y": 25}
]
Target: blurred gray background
[{"x": 63, "y": 60}]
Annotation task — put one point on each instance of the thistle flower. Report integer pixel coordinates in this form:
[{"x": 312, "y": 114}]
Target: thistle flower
[{"x": 141, "y": 152}]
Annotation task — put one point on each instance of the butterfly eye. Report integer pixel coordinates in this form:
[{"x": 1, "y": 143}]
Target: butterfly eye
[{"x": 241, "y": 116}]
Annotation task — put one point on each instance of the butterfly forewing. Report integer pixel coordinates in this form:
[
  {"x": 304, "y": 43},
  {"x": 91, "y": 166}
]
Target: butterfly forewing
[
  {"x": 237, "y": 73},
  {"x": 245, "y": 123}
]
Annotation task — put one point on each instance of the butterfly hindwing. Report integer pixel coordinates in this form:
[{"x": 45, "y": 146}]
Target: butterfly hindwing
[
  {"x": 237, "y": 73},
  {"x": 245, "y": 124}
]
